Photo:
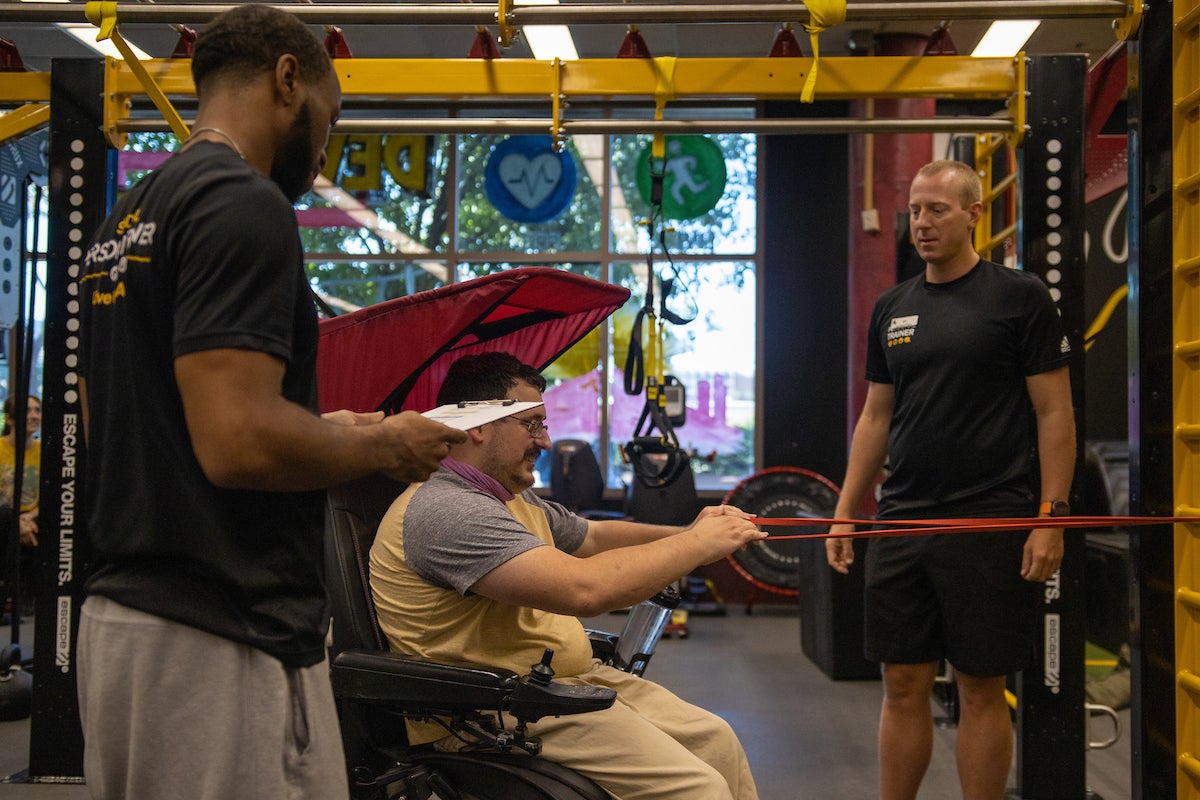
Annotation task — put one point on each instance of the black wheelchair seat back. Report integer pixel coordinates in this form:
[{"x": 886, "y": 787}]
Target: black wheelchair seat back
[
  {"x": 377, "y": 691},
  {"x": 354, "y": 512}
]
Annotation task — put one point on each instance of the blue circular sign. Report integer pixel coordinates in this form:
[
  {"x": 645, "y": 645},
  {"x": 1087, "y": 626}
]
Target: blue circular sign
[{"x": 527, "y": 180}]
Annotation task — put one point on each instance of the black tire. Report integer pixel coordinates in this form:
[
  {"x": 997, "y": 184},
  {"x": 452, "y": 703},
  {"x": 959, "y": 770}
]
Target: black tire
[
  {"x": 781, "y": 492},
  {"x": 512, "y": 777}
]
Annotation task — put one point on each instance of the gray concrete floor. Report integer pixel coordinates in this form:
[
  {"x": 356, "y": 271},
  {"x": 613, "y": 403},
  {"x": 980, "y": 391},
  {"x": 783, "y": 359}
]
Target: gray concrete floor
[
  {"x": 806, "y": 736},
  {"x": 14, "y": 744}
]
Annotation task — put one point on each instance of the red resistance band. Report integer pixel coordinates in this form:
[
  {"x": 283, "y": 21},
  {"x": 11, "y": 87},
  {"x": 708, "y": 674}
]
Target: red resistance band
[{"x": 925, "y": 527}]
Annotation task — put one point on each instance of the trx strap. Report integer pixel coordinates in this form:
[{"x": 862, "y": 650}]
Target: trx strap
[{"x": 657, "y": 459}]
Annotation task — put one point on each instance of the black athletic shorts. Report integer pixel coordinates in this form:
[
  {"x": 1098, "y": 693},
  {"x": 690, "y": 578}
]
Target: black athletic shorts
[{"x": 955, "y": 596}]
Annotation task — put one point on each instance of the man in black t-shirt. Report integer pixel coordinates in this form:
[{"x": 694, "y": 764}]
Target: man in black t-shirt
[
  {"x": 967, "y": 365},
  {"x": 201, "y": 645}
]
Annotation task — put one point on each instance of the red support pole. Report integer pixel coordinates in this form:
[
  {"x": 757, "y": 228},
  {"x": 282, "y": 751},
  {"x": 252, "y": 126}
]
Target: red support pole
[{"x": 892, "y": 159}]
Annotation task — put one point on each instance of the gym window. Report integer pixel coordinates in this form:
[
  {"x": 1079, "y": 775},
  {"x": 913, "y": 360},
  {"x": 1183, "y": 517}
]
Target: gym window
[{"x": 421, "y": 218}]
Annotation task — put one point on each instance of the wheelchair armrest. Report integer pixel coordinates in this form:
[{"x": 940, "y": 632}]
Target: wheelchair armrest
[
  {"x": 604, "y": 644},
  {"x": 411, "y": 685},
  {"x": 533, "y": 700}
]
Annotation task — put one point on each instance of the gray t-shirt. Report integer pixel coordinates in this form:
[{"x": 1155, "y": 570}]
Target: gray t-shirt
[
  {"x": 435, "y": 543},
  {"x": 454, "y": 533}
]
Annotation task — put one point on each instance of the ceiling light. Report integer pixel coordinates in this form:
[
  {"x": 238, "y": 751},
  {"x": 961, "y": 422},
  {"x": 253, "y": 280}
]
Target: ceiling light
[
  {"x": 86, "y": 34},
  {"x": 1005, "y": 38},
  {"x": 549, "y": 42}
]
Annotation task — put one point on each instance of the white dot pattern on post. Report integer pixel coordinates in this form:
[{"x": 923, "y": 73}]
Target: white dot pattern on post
[{"x": 74, "y": 254}]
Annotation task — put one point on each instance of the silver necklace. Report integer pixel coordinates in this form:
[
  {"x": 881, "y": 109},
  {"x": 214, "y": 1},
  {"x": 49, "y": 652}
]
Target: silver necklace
[{"x": 224, "y": 136}]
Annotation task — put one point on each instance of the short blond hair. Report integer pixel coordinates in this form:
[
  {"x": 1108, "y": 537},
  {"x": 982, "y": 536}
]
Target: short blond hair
[{"x": 965, "y": 176}]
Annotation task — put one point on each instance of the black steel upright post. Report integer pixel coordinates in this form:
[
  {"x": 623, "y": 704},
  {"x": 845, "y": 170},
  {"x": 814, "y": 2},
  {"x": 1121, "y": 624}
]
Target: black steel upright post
[
  {"x": 1051, "y": 737},
  {"x": 1151, "y": 435},
  {"x": 81, "y": 181}
]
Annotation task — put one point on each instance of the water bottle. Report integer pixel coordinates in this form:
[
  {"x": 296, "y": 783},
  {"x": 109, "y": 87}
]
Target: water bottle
[{"x": 643, "y": 629}]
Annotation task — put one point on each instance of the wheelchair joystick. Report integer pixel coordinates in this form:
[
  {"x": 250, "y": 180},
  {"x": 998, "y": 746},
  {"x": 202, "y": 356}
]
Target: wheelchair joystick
[
  {"x": 542, "y": 673},
  {"x": 537, "y": 695}
]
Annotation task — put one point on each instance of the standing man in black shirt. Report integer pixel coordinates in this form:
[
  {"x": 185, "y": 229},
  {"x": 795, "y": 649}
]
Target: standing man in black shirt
[
  {"x": 201, "y": 648},
  {"x": 967, "y": 365}
]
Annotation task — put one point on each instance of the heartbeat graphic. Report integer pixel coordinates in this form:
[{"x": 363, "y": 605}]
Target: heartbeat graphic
[{"x": 528, "y": 179}]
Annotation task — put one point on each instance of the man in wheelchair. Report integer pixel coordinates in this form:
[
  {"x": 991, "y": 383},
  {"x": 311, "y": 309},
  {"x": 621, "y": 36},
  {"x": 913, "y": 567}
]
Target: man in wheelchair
[{"x": 471, "y": 567}]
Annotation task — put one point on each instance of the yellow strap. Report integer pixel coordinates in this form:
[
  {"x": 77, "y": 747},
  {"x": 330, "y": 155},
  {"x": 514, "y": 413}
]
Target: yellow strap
[
  {"x": 664, "y": 68},
  {"x": 660, "y": 360},
  {"x": 664, "y": 90},
  {"x": 822, "y": 14},
  {"x": 1106, "y": 312},
  {"x": 652, "y": 355},
  {"x": 104, "y": 16}
]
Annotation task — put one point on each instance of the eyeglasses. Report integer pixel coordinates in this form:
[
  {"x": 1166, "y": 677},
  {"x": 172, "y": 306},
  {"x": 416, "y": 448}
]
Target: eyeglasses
[{"x": 536, "y": 427}]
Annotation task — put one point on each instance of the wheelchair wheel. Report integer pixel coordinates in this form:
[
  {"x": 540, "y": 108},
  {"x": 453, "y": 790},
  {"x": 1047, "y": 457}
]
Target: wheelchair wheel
[{"x": 477, "y": 776}]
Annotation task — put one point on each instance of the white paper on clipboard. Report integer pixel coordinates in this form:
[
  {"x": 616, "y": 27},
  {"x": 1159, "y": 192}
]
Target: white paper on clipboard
[{"x": 475, "y": 413}]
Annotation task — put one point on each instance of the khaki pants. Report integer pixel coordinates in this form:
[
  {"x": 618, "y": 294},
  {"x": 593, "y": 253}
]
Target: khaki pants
[{"x": 649, "y": 746}]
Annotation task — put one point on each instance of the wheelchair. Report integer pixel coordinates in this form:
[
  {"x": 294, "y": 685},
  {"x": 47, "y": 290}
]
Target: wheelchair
[{"x": 377, "y": 691}]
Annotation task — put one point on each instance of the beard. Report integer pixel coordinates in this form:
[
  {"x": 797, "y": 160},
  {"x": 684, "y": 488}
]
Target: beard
[
  {"x": 512, "y": 474},
  {"x": 293, "y": 169}
]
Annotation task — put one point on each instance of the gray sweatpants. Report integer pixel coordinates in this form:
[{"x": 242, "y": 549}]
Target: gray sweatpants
[{"x": 172, "y": 711}]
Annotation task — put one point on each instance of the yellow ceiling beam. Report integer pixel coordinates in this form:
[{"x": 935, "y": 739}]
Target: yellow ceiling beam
[
  {"x": 22, "y": 120},
  {"x": 104, "y": 16},
  {"x": 841, "y": 78},
  {"x": 732, "y": 79},
  {"x": 700, "y": 78},
  {"x": 24, "y": 87},
  {"x": 482, "y": 80},
  {"x": 173, "y": 76}
]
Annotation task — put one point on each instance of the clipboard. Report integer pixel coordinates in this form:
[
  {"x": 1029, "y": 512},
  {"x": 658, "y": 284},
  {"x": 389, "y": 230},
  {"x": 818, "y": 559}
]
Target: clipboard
[{"x": 473, "y": 413}]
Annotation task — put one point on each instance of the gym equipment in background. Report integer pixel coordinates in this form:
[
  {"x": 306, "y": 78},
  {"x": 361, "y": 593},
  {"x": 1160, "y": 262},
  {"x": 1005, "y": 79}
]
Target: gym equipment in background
[{"x": 781, "y": 492}]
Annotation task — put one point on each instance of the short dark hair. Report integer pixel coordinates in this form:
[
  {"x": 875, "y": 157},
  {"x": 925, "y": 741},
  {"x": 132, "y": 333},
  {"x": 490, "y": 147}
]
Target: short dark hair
[
  {"x": 249, "y": 39},
  {"x": 486, "y": 376}
]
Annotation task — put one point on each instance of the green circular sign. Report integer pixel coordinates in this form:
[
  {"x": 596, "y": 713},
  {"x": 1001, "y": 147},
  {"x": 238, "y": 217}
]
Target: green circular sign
[{"x": 693, "y": 176}]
